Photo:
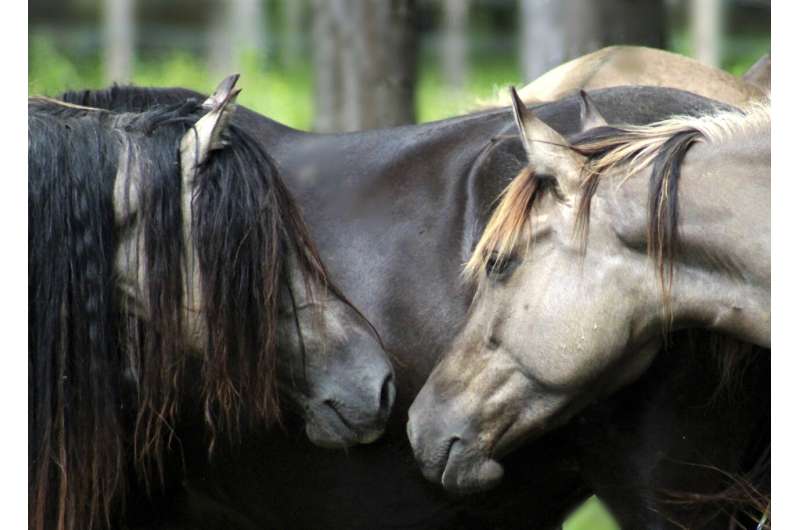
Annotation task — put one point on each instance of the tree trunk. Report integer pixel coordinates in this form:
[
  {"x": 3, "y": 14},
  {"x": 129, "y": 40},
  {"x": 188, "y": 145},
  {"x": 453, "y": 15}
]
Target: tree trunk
[
  {"x": 327, "y": 71},
  {"x": 118, "y": 34},
  {"x": 292, "y": 41},
  {"x": 250, "y": 27},
  {"x": 706, "y": 28},
  {"x": 454, "y": 43},
  {"x": 221, "y": 54},
  {"x": 541, "y": 36},
  {"x": 364, "y": 54},
  {"x": 238, "y": 28},
  {"x": 555, "y": 31}
]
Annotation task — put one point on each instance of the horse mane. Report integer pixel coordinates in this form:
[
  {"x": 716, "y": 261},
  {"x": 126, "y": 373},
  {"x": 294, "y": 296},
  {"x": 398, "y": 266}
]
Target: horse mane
[
  {"x": 128, "y": 98},
  {"x": 662, "y": 145},
  {"x": 70, "y": 321},
  {"x": 132, "y": 98},
  {"x": 101, "y": 379}
]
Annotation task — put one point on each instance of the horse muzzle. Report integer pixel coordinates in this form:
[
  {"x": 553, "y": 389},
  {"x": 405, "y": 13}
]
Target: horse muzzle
[{"x": 446, "y": 449}]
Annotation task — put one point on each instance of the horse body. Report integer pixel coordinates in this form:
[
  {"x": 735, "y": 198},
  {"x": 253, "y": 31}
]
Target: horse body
[
  {"x": 639, "y": 65},
  {"x": 396, "y": 213},
  {"x": 700, "y": 455}
]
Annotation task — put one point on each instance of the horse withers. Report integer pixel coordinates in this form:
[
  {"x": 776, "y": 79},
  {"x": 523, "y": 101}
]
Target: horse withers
[
  {"x": 164, "y": 243},
  {"x": 583, "y": 267}
]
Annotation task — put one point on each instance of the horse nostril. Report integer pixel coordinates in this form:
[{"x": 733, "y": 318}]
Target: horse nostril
[
  {"x": 333, "y": 405},
  {"x": 387, "y": 394}
]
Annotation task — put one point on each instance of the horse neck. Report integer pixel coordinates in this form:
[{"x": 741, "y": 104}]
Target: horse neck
[{"x": 721, "y": 275}]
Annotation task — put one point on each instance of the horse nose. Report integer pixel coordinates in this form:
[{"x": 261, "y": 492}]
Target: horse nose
[
  {"x": 428, "y": 424},
  {"x": 431, "y": 438}
]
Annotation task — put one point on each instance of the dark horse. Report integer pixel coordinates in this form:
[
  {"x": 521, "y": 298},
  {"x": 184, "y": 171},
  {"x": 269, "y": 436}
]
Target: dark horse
[
  {"x": 163, "y": 246},
  {"x": 396, "y": 214}
]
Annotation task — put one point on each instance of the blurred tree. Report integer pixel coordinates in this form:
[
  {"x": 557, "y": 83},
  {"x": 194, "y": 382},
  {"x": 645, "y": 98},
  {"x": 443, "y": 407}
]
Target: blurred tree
[
  {"x": 239, "y": 28},
  {"x": 220, "y": 47},
  {"x": 454, "y": 43},
  {"x": 250, "y": 26},
  {"x": 555, "y": 31},
  {"x": 292, "y": 45},
  {"x": 364, "y": 55},
  {"x": 118, "y": 35},
  {"x": 706, "y": 27}
]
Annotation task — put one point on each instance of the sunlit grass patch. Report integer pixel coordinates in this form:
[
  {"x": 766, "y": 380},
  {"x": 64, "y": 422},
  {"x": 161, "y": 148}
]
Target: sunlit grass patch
[{"x": 591, "y": 515}]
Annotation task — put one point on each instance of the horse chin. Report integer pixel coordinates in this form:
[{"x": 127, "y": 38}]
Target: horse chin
[
  {"x": 330, "y": 435},
  {"x": 327, "y": 427},
  {"x": 466, "y": 472}
]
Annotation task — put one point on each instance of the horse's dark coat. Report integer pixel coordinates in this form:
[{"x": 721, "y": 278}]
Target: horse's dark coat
[
  {"x": 396, "y": 213},
  {"x": 105, "y": 375}
]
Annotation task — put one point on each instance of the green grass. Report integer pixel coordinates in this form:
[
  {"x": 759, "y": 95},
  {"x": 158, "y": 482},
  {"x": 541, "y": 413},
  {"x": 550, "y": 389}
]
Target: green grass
[
  {"x": 738, "y": 53},
  {"x": 486, "y": 77},
  {"x": 285, "y": 94},
  {"x": 280, "y": 93},
  {"x": 591, "y": 515}
]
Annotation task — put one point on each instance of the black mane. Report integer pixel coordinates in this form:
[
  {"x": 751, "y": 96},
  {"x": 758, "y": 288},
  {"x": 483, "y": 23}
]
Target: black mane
[
  {"x": 84, "y": 335},
  {"x": 128, "y": 98}
]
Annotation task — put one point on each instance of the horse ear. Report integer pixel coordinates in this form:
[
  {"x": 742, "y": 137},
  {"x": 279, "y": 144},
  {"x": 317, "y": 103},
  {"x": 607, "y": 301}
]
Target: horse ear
[
  {"x": 548, "y": 152},
  {"x": 760, "y": 73},
  {"x": 221, "y": 92},
  {"x": 589, "y": 114},
  {"x": 206, "y": 134}
]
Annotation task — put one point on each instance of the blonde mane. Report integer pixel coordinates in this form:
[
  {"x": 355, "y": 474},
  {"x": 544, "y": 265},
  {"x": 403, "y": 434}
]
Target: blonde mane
[
  {"x": 633, "y": 146},
  {"x": 638, "y": 145}
]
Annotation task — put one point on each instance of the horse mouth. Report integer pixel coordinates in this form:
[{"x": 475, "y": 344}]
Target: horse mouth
[
  {"x": 447, "y": 464},
  {"x": 327, "y": 427},
  {"x": 460, "y": 471},
  {"x": 434, "y": 470}
]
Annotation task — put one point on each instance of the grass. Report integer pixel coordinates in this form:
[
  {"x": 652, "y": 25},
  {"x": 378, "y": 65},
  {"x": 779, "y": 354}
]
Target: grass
[
  {"x": 738, "y": 52},
  {"x": 591, "y": 515},
  {"x": 286, "y": 96}
]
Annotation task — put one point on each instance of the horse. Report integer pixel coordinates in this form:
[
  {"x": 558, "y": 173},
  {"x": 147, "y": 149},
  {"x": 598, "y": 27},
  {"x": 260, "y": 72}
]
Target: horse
[
  {"x": 640, "y": 65},
  {"x": 395, "y": 213},
  {"x": 165, "y": 250},
  {"x": 584, "y": 266}
]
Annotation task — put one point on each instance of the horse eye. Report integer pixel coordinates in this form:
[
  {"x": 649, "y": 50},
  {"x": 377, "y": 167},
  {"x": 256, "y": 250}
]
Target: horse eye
[{"x": 497, "y": 265}]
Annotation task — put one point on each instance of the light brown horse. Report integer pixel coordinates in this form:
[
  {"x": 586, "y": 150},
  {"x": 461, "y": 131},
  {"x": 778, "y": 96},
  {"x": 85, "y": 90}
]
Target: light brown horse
[
  {"x": 592, "y": 253},
  {"x": 639, "y": 65}
]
